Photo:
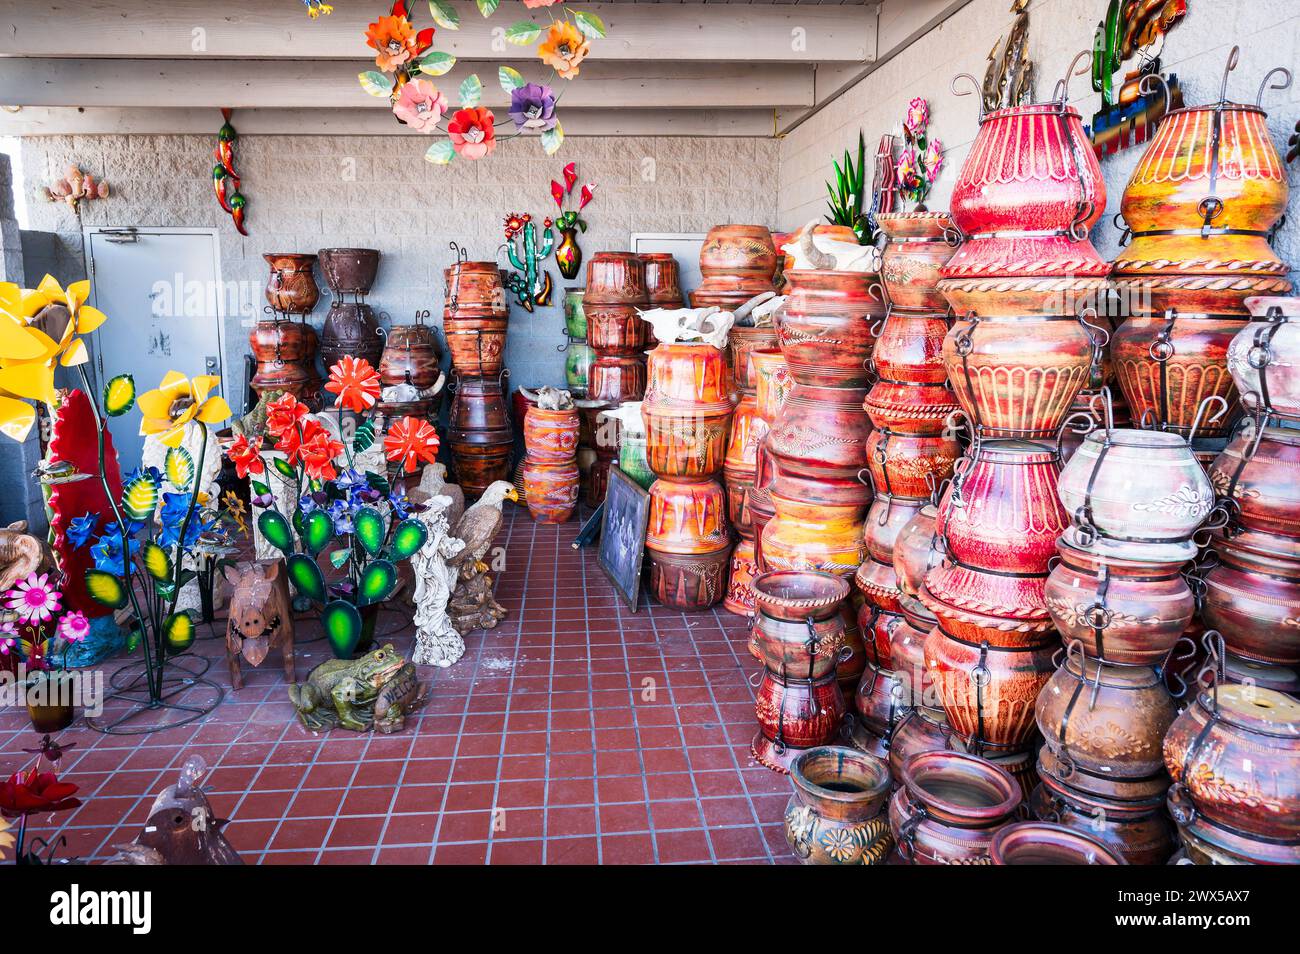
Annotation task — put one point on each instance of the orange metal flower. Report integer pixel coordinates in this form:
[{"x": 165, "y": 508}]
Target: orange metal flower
[
  {"x": 318, "y": 450},
  {"x": 411, "y": 440},
  {"x": 356, "y": 382},
  {"x": 394, "y": 40},
  {"x": 283, "y": 413},
  {"x": 245, "y": 456},
  {"x": 564, "y": 48}
]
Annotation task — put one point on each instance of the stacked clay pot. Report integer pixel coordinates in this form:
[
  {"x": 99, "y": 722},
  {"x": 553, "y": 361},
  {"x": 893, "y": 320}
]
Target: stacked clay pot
[
  {"x": 772, "y": 385},
  {"x": 663, "y": 284},
  {"x": 799, "y": 636},
  {"x": 550, "y": 469},
  {"x": 351, "y": 327},
  {"x": 737, "y": 262},
  {"x": 1200, "y": 205},
  {"x": 836, "y": 815},
  {"x": 748, "y": 431},
  {"x": 411, "y": 359},
  {"x": 949, "y": 807},
  {"x": 285, "y": 351},
  {"x": 578, "y": 354},
  {"x": 687, "y": 413},
  {"x": 480, "y": 435}
]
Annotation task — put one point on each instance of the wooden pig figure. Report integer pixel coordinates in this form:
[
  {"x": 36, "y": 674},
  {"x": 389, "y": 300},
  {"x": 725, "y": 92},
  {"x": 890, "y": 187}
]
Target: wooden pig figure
[{"x": 261, "y": 616}]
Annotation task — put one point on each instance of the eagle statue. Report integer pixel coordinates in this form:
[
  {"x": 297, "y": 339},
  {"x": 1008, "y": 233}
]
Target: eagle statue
[{"x": 472, "y": 603}]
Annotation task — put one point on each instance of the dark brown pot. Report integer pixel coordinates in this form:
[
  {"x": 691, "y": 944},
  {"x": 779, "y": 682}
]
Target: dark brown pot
[
  {"x": 1142, "y": 836},
  {"x": 411, "y": 356},
  {"x": 689, "y": 581},
  {"x": 1043, "y": 843},
  {"x": 291, "y": 288},
  {"x": 478, "y": 405},
  {"x": 286, "y": 357},
  {"x": 949, "y": 808},
  {"x": 828, "y": 327},
  {"x": 349, "y": 270},
  {"x": 350, "y": 329},
  {"x": 473, "y": 290},
  {"x": 794, "y": 714},
  {"x": 479, "y": 463}
]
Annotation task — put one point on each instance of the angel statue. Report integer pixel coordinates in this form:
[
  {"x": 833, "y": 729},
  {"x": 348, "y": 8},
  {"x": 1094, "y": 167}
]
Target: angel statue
[{"x": 436, "y": 641}]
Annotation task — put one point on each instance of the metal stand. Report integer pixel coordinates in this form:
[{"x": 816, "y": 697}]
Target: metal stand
[{"x": 186, "y": 697}]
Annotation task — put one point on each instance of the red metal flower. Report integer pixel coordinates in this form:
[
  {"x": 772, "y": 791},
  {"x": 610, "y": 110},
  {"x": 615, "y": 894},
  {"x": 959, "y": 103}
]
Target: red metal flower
[
  {"x": 411, "y": 440},
  {"x": 570, "y": 177},
  {"x": 318, "y": 450},
  {"x": 245, "y": 456},
  {"x": 33, "y": 793},
  {"x": 356, "y": 382},
  {"x": 283, "y": 413}
]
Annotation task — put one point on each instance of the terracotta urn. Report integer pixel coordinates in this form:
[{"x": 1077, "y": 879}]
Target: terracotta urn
[
  {"x": 688, "y": 542},
  {"x": 917, "y": 550},
  {"x": 411, "y": 356},
  {"x": 910, "y": 465},
  {"x": 950, "y": 807},
  {"x": 1141, "y": 835},
  {"x": 291, "y": 289},
  {"x": 920, "y": 244},
  {"x": 744, "y": 567},
  {"x": 737, "y": 262},
  {"x": 1264, "y": 356},
  {"x": 795, "y": 596},
  {"x": 286, "y": 356},
  {"x": 1043, "y": 843},
  {"x": 828, "y": 327},
  {"x": 886, "y": 519},
  {"x": 687, "y": 410},
  {"x": 803, "y": 649},
  {"x": 662, "y": 280},
  {"x": 615, "y": 278},
  {"x": 918, "y": 730},
  {"x": 1256, "y": 475},
  {"x": 910, "y": 348},
  {"x": 821, "y": 432},
  {"x": 473, "y": 292},
  {"x": 551, "y": 436},
  {"x": 616, "y": 379},
  {"x": 615, "y": 329},
  {"x": 772, "y": 382},
  {"x": 551, "y": 489},
  {"x": 878, "y": 584},
  {"x": 794, "y": 714},
  {"x": 1254, "y": 601},
  {"x": 878, "y": 704},
  {"x": 740, "y": 468},
  {"x": 349, "y": 271},
  {"x": 741, "y": 343},
  {"x": 813, "y": 536},
  {"x": 835, "y": 816}
]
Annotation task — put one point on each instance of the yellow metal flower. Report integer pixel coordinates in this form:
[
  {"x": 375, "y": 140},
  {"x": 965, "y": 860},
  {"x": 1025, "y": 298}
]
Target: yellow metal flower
[
  {"x": 177, "y": 401},
  {"x": 40, "y": 328}
]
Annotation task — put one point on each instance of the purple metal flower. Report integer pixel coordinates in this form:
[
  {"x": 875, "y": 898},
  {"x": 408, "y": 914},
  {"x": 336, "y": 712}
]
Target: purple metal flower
[{"x": 532, "y": 106}]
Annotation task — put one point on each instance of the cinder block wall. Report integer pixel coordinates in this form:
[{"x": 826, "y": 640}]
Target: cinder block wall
[
  {"x": 1268, "y": 32},
  {"x": 311, "y": 192}
]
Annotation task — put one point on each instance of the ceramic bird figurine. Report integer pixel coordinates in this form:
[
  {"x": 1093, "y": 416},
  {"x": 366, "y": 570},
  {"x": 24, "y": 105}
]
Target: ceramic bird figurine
[{"x": 472, "y": 604}]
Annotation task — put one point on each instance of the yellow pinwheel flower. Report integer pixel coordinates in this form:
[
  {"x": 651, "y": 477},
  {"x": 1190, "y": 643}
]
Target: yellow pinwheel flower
[
  {"x": 177, "y": 401},
  {"x": 40, "y": 328}
]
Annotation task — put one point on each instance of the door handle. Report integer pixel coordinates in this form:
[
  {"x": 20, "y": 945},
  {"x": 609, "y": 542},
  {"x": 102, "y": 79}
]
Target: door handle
[{"x": 210, "y": 362}]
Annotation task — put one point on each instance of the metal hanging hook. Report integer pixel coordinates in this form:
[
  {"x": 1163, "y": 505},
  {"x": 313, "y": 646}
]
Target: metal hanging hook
[
  {"x": 1061, "y": 92},
  {"x": 1284, "y": 83}
]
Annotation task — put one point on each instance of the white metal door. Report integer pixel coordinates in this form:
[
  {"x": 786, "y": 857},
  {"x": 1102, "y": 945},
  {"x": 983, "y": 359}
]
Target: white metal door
[{"x": 161, "y": 290}]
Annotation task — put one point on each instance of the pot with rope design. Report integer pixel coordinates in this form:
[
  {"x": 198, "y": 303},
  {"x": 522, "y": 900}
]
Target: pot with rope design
[
  {"x": 908, "y": 465},
  {"x": 920, "y": 244}
]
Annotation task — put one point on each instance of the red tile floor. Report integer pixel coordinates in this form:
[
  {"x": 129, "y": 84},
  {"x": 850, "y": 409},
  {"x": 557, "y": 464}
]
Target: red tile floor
[{"x": 574, "y": 733}]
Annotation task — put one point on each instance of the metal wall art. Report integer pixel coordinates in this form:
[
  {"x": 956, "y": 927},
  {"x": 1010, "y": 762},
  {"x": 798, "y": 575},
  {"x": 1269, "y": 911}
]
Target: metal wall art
[
  {"x": 1129, "y": 115},
  {"x": 225, "y": 180}
]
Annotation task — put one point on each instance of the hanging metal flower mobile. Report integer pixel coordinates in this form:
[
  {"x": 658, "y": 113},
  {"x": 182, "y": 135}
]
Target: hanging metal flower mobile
[
  {"x": 406, "y": 60},
  {"x": 922, "y": 158}
]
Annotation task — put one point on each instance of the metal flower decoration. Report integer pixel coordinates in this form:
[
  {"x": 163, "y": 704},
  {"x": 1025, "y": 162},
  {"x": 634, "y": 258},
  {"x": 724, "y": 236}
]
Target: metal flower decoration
[
  {"x": 407, "y": 62},
  {"x": 921, "y": 159}
]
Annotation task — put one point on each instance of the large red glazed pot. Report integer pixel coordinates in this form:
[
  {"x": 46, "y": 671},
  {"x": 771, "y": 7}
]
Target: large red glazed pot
[
  {"x": 291, "y": 289},
  {"x": 1264, "y": 357},
  {"x": 688, "y": 543},
  {"x": 615, "y": 278},
  {"x": 911, "y": 393},
  {"x": 1017, "y": 377},
  {"x": 878, "y": 584},
  {"x": 1257, "y": 475},
  {"x": 1253, "y": 599},
  {"x": 687, "y": 410},
  {"x": 920, "y": 244},
  {"x": 828, "y": 326},
  {"x": 551, "y": 436},
  {"x": 821, "y": 432},
  {"x": 1234, "y": 755},
  {"x": 615, "y": 329},
  {"x": 551, "y": 489},
  {"x": 949, "y": 808},
  {"x": 988, "y": 693},
  {"x": 737, "y": 262},
  {"x": 910, "y": 465},
  {"x": 794, "y": 714}
]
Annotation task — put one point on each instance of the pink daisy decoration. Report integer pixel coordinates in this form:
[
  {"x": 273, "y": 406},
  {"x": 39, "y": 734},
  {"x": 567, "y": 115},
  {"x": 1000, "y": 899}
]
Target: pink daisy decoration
[
  {"x": 34, "y": 600},
  {"x": 74, "y": 627},
  {"x": 7, "y": 646}
]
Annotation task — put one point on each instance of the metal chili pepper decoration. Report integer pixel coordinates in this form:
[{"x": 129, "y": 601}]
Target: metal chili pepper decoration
[{"x": 225, "y": 181}]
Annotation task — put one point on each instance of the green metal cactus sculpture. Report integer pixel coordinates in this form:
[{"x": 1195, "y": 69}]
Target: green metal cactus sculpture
[{"x": 531, "y": 284}]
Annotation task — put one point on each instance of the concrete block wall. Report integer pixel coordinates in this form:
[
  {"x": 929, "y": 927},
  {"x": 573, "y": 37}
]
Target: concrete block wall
[
  {"x": 312, "y": 192},
  {"x": 1268, "y": 32}
]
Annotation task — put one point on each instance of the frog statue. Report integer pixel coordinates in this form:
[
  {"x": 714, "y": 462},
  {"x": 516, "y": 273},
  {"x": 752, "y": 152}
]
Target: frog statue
[{"x": 376, "y": 692}]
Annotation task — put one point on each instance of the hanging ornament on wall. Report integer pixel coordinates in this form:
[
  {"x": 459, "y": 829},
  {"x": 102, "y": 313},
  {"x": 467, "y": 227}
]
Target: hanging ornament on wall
[
  {"x": 225, "y": 181},
  {"x": 921, "y": 158},
  {"x": 406, "y": 60},
  {"x": 531, "y": 284},
  {"x": 568, "y": 256},
  {"x": 74, "y": 187},
  {"x": 1009, "y": 78}
]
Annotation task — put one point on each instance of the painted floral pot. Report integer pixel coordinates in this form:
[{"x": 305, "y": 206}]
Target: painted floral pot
[
  {"x": 1124, "y": 612},
  {"x": 920, "y": 409},
  {"x": 740, "y": 591},
  {"x": 1167, "y": 366},
  {"x": 737, "y": 262},
  {"x": 878, "y": 704},
  {"x": 794, "y": 596},
  {"x": 918, "y": 730},
  {"x": 828, "y": 326},
  {"x": 350, "y": 329},
  {"x": 411, "y": 356},
  {"x": 798, "y": 650},
  {"x": 1017, "y": 377},
  {"x": 910, "y": 465},
  {"x": 616, "y": 380},
  {"x": 578, "y": 359},
  {"x": 1141, "y": 835},
  {"x": 575, "y": 318},
  {"x": 886, "y": 519},
  {"x": 1264, "y": 356},
  {"x": 821, "y": 432},
  {"x": 615, "y": 278},
  {"x": 662, "y": 280},
  {"x": 349, "y": 271},
  {"x": 920, "y": 244},
  {"x": 1259, "y": 481},
  {"x": 835, "y": 815},
  {"x": 689, "y": 582},
  {"x": 949, "y": 808},
  {"x": 1135, "y": 494},
  {"x": 687, "y": 372},
  {"x": 1188, "y": 160},
  {"x": 794, "y": 714},
  {"x": 568, "y": 254},
  {"x": 1103, "y": 726},
  {"x": 551, "y": 489},
  {"x": 917, "y": 550},
  {"x": 878, "y": 584},
  {"x": 551, "y": 436},
  {"x": 614, "y": 329},
  {"x": 772, "y": 382},
  {"x": 988, "y": 693},
  {"x": 1254, "y": 601},
  {"x": 813, "y": 536},
  {"x": 291, "y": 288},
  {"x": 1043, "y": 843},
  {"x": 473, "y": 290},
  {"x": 1234, "y": 756}
]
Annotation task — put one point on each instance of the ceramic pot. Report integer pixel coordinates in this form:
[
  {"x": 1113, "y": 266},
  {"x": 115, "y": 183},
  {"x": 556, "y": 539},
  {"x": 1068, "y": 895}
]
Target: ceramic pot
[
  {"x": 821, "y": 432},
  {"x": 1135, "y": 495},
  {"x": 662, "y": 280},
  {"x": 910, "y": 465},
  {"x": 577, "y": 366},
  {"x": 741, "y": 342},
  {"x": 877, "y": 627},
  {"x": 1103, "y": 726},
  {"x": 687, "y": 517},
  {"x": 575, "y": 318},
  {"x": 551, "y": 489},
  {"x": 879, "y": 702},
  {"x": 477, "y": 353},
  {"x": 920, "y": 244},
  {"x": 1234, "y": 756},
  {"x": 1090, "y": 401},
  {"x": 988, "y": 693},
  {"x": 349, "y": 271},
  {"x": 568, "y": 254},
  {"x": 772, "y": 382},
  {"x": 828, "y": 326},
  {"x": 917, "y": 731},
  {"x": 813, "y": 536},
  {"x": 479, "y": 460},
  {"x": 286, "y": 357},
  {"x": 616, "y": 380},
  {"x": 835, "y": 815},
  {"x": 907, "y": 658},
  {"x": 1142, "y": 836},
  {"x": 913, "y": 409},
  {"x": 411, "y": 356},
  {"x": 473, "y": 290},
  {"x": 551, "y": 436},
  {"x": 684, "y": 442},
  {"x": 614, "y": 329},
  {"x": 805, "y": 649},
  {"x": 794, "y": 714},
  {"x": 478, "y": 405},
  {"x": 46, "y": 692},
  {"x": 886, "y": 519},
  {"x": 1249, "y": 672},
  {"x": 689, "y": 582},
  {"x": 737, "y": 262},
  {"x": 917, "y": 550},
  {"x": 350, "y": 329},
  {"x": 741, "y": 464},
  {"x": 1017, "y": 377},
  {"x": 291, "y": 289},
  {"x": 740, "y": 591},
  {"x": 878, "y": 585},
  {"x": 1264, "y": 356},
  {"x": 1043, "y": 843},
  {"x": 1258, "y": 480},
  {"x": 785, "y": 260},
  {"x": 795, "y": 596},
  {"x": 1121, "y": 611},
  {"x": 1168, "y": 365},
  {"x": 910, "y": 349},
  {"x": 1254, "y": 601},
  {"x": 949, "y": 808},
  {"x": 615, "y": 278},
  {"x": 632, "y": 459},
  {"x": 981, "y": 607}
]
